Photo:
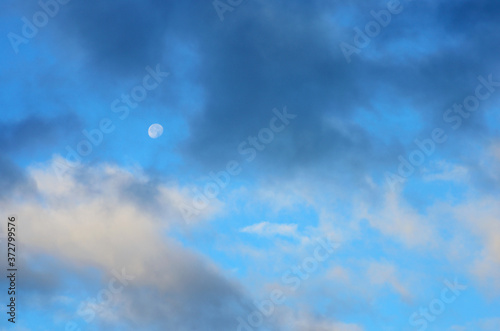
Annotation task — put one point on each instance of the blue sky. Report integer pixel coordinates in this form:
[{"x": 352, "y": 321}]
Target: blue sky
[{"x": 324, "y": 165}]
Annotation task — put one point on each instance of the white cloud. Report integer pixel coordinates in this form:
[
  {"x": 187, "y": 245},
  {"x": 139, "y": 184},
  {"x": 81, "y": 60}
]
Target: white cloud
[
  {"x": 307, "y": 322},
  {"x": 445, "y": 171},
  {"x": 481, "y": 219},
  {"x": 380, "y": 273},
  {"x": 487, "y": 324},
  {"x": 397, "y": 219},
  {"x": 267, "y": 229},
  {"x": 111, "y": 219}
]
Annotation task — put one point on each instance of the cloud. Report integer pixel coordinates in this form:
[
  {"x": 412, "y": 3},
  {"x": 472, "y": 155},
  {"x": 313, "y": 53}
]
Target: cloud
[
  {"x": 384, "y": 273},
  {"x": 307, "y": 322},
  {"x": 481, "y": 219},
  {"x": 353, "y": 118},
  {"x": 446, "y": 172},
  {"x": 395, "y": 218},
  {"x": 487, "y": 324},
  {"x": 14, "y": 182},
  {"x": 34, "y": 132},
  {"x": 325, "y": 168},
  {"x": 267, "y": 229},
  {"x": 88, "y": 220}
]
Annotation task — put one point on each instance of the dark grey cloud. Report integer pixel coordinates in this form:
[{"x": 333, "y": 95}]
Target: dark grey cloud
[
  {"x": 266, "y": 55},
  {"x": 36, "y": 132},
  {"x": 203, "y": 301},
  {"x": 35, "y": 137},
  {"x": 14, "y": 182},
  {"x": 195, "y": 296},
  {"x": 255, "y": 63}
]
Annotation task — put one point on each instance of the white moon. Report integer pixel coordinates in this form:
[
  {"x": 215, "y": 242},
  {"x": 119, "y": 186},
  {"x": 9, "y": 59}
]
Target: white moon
[{"x": 155, "y": 131}]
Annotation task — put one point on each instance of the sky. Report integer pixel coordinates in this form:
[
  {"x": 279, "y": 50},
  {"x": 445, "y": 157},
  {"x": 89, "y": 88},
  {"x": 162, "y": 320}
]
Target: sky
[{"x": 324, "y": 165}]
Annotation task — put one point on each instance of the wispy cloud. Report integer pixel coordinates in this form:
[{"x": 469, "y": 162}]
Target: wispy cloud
[{"x": 267, "y": 229}]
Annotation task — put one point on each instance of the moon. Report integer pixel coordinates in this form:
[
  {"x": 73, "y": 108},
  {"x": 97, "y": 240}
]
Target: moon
[{"x": 155, "y": 130}]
